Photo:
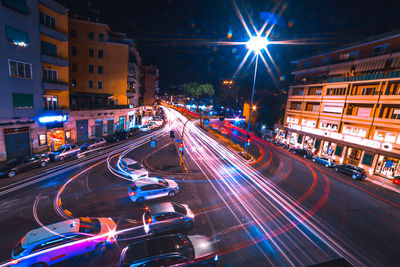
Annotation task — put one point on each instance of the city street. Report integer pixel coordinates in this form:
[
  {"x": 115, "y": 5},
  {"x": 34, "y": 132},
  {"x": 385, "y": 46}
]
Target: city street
[{"x": 281, "y": 210}]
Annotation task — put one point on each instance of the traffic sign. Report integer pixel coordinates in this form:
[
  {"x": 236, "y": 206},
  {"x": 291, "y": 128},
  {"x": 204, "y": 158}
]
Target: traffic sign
[
  {"x": 178, "y": 140},
  {"x": 389, "y": 163},
  {"x": 152, "y": 143}
]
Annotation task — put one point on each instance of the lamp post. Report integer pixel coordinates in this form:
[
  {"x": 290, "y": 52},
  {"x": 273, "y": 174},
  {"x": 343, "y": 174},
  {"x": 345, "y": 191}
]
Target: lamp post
[{"x": 255, "y": 44}]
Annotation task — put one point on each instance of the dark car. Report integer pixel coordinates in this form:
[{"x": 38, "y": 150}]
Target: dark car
[
  {"x": 93, "y": 143},
  {"x": 132, "y": 131},
  {"x": 351, "y": 170},
  {"x": 175, "y": 250},
  {"x": 307, "y": 154},
  {"x": 15, "y": 166},
  {"x": 118, "y": 136}
]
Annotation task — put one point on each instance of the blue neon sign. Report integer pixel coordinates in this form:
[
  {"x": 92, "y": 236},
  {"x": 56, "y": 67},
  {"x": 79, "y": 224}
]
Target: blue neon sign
[{"x": 58, "y": 118}]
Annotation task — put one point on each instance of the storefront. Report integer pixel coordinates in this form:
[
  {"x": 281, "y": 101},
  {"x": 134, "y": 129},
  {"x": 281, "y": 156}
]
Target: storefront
[
  {"x": 328, "y": 148},
  {"x": 309, "y": 143},
  {"x": 387, "y": 166},
  {"x": 353, "y": 156},
  {"x": 17, "y": 142},
  {"x": 55, "y": 136}
]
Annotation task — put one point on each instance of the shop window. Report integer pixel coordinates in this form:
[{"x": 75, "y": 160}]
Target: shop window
[
  {"x": 22, "y": 101},
  {"x": 68, "y": 135},
  {"x": 367, "y": 159},
  {"x": 300, "y": 139},
  {"x": 48, "y": 49},
  {"x": 317, "y": 144},
  {"x": 17, "y": 5},
  {"x": 339, "y": 151},
  {"x": 17, "y": 37},
  {"x": 42, "y": 140},
  {"x": 20, "y": 69}
]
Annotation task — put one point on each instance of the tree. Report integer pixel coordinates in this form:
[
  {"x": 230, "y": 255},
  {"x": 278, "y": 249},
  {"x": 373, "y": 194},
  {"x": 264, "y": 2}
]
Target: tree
[{"x": 196, "y": 91}]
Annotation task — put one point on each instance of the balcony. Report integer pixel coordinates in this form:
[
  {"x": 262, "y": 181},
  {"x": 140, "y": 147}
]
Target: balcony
[
  {"x": 55, "y": 85},
  {"x": 53, "y": 5},
  {"x": 60, "y": 110},
  {"x": 53, "y": 33},
  {"x": 130, "y": 93},
  {"x": 98, "y": 107},
  {"x": 55, "y": 60},
  {"x": 365, "y": 77}
]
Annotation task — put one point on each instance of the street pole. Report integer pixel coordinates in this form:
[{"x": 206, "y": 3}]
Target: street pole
[
  {"x": 251, "y": 106},
  {"x": 183, "y": 133}
]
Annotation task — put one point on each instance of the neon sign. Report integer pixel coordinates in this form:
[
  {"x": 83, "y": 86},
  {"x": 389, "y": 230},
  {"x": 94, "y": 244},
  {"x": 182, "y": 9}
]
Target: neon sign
[{"x": 58, "y": 118}]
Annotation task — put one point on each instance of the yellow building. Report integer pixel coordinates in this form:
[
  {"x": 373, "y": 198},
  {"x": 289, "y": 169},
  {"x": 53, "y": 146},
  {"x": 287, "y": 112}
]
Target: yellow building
[
  {"x": 345, "y": 104},
  {"x": 98, "y": 64}
]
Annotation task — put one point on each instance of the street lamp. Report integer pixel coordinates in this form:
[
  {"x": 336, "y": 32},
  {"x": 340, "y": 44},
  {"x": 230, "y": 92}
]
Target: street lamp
[{"x": 255, "y": 44}]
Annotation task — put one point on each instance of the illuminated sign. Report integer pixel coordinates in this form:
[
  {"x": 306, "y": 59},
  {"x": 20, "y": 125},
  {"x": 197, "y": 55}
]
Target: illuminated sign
[
  {"x": 58, "y": 118},
  {"x": 345, "y": 137}
]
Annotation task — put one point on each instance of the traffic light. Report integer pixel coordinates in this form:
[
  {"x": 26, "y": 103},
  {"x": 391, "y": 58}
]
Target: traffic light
[
  {"x": 181, "y": 147},
  {"x": 248, "y": 140}
]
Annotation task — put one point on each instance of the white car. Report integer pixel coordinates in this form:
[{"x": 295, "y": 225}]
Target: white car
[
  {"x": 63, "y": 240},
  {"x": 157, "y": 122},
  {"x": 144, "y": 128},
  {"x": 133, "y": 169},
  {"x": 152, "y": 125},
  {"x": 151, "y": 188}
]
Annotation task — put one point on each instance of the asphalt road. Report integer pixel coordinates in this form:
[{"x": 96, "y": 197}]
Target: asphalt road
[{"x": 281, "y": 210}]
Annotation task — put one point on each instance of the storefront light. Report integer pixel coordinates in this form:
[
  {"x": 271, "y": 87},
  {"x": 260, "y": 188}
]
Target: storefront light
[{"x": 48, "y": 119}]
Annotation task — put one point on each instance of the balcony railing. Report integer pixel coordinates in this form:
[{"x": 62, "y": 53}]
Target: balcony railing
[
  {"x": 373, "y": 76},
  {"x": 55, "y": 60},
  {"x": 53, "y": 33},
  {"x": 55, "y": 85}
]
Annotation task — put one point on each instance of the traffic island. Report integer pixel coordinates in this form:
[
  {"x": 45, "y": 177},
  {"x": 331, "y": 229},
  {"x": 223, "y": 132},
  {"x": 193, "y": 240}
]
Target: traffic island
[{"x": 165, "y": 160}]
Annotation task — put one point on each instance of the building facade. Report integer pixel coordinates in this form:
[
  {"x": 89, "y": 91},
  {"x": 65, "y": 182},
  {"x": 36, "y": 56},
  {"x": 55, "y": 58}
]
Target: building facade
[
  {"x": 98, "y": 66},
  {"x": 148, "y": 85},
  {"x": 345, "y": 104}
]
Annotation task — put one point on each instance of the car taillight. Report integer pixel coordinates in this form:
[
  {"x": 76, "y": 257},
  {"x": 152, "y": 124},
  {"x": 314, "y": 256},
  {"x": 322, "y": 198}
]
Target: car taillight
[
  {"x": 360, "y": 173},
  {"x": 132, "y": 193}
]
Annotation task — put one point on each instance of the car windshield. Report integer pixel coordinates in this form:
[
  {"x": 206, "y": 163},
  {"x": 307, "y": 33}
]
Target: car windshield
[
  {"x": 89, "y": 226},
  {"x": 135, "y": 166},
  {"x": 163, "y": 182},
  {"x": 60, "y": 149},
  {"x": 18, "y": 248},
  {"x": 12, "y": 162},
  {"x": 179, "y": 208}
]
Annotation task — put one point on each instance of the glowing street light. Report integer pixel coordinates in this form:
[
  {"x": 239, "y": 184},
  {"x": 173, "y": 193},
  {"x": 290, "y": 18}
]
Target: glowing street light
[
  {"x": 257, "y": 43},
  {"x": 254, "y": 107}
]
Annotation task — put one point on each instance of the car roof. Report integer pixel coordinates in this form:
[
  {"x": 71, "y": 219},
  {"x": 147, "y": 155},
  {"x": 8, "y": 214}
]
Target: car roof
[
  {"x": 146, "y": 181},
  {"x": 161, "y": 208},
  {"x": 46, "y": 232},
  {"x": 129, "y": 161}
]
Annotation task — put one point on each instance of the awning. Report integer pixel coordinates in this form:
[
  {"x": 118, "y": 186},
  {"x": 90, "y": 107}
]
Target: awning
[
  {"x": 340, "y": 69},
  {"x": 22, "y": 100},
  {"x": 371, "y": 65}
]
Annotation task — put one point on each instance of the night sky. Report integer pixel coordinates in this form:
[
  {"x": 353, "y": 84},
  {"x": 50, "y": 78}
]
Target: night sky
[{"x": 173, "y": 34}]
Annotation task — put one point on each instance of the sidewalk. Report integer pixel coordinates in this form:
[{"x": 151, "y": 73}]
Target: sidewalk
[{"x": 378, "y": 180}]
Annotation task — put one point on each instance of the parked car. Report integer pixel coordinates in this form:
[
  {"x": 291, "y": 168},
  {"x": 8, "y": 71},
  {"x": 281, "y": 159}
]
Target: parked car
[
  {"x": 132, "y": 131},
  {"x": 133, "y": 169},
  {"x": 327, "y": 162},
  {"x": 305, "y": 153},
  {"x": 63, "y": 152},
  {"x": 152, "y": 125},
  {"x": 158, "y": 122},
  {"x": 351, "y": 170},
  {"x": 117, "y": 136},
  {"x": 396, "y": 180},
  {"x": 151, "y": 188},
  {"x": 63, "y": 240},
  {"x": 93, "y": 143},
  {"x": 167, "y": 216},
  {"x": 144, "y": 129},
  {"x": 170, "y": 250},
  {"x": 18, "y": 165}
]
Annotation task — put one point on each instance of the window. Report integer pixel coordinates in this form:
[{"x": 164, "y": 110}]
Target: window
[
  {"x": 355, "y": 131},
  {"x": 328, "y": 126},
  {"x": 333, "y": 108},
  {"x": 100, "y": 53},
  {"x": 42, "y": 139},
  {"x": 298, "y": 91},
  {"x": 346, "y": 56},
  {"x": 72, "y": 33},
  {"x": 99, "y": 84},
  {"x": 367, "y": 159},
  {"x": 17, "y": 37},
  {"x": 74, "y": 67},
  {"x": 73, "y": 83},
  {"x": 336, "y": 91},
  {"x": 73, "y": 50},
  {"x": 20, "y": 69},
  {"x": 90, "y": 68},
  {"x": 379, "y": 50},
  {"x": 101, "y": 37},
  {"x": 91, "y": 52},
  {"x": 17, "y": 5},
  {"x": 48, "y": 49},
  {"x": 100, "y": 69},
  {"x": 47, "y": 20},
  {"x": 22, "y": 101},
  {"x": 396, "y": 114},
  {"x": 368, "y": 91},
  {"x": 90, "y": 84},
  {"x": 91, "y": 35},
  {"x": 338, "y": 151},
  {"x": 50, "y": 102},
  {"x": 49, "y": 75}
]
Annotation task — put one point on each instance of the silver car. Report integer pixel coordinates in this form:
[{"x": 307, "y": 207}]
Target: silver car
[
  {"x": 150, "y": 188},
  {"x": 167, "y": 216},
  {"x": 63, "y": 152}
]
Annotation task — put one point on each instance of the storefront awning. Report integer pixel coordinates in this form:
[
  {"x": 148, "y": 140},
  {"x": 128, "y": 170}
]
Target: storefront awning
[
  {"x": 371, "y": 65},
  {"x": 340, "y": 69}
]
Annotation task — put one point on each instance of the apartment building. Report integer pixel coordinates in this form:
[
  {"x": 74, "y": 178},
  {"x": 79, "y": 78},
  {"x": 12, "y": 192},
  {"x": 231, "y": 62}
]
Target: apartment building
[
  {"x": 98, "y": 66},
  {"x": 345, "y": 104},
  {"x": 148, "y": 84},
  {"x": 133, "y": 79},
  {"x": 20, "y": 76}
]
